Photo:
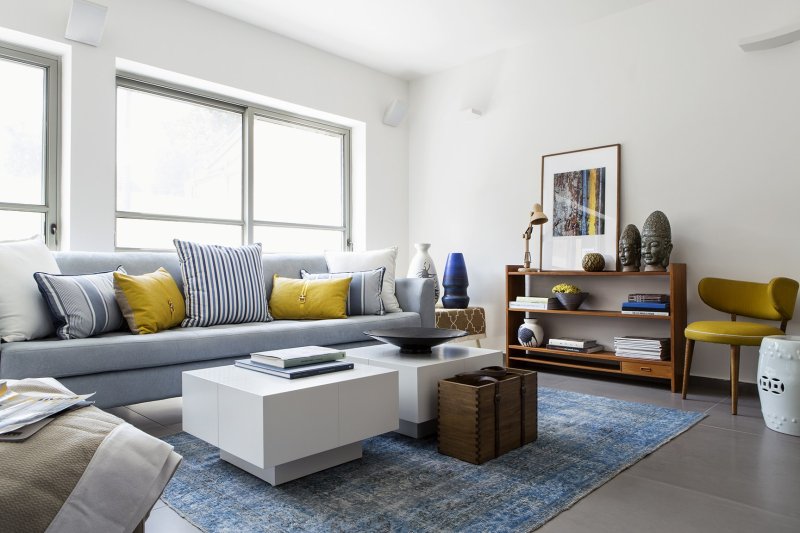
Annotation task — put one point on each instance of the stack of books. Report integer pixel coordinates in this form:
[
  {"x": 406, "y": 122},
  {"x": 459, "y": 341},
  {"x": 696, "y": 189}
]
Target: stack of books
[
  {"x": 646, "y": 304},
  {"x": 293, "y": 363},
  {"x": 574, "y": 345},
  {"x": 656, "y": 348},
  {"x": 535, "y": 303}
]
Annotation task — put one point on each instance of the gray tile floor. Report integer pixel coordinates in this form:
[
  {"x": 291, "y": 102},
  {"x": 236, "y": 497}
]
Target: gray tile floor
[{"x": 728, "y": 473}]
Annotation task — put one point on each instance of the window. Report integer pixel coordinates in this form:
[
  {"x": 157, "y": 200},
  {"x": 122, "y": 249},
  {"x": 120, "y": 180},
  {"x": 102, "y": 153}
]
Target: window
[
  {"x": 28, "y": 146},
  {"x": 210, "y": 171}
]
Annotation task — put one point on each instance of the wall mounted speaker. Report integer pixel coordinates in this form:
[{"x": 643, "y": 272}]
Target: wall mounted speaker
[
  {"x": 86, "y": 23},
  {"x": 395, "y": 113}
]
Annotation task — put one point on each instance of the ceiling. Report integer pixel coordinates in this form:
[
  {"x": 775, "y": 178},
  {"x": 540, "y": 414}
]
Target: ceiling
[{"x": 413, "y": 38}]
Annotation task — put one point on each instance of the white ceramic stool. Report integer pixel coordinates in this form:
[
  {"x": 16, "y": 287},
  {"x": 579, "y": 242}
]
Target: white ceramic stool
[{"x": 779, "y": 383}]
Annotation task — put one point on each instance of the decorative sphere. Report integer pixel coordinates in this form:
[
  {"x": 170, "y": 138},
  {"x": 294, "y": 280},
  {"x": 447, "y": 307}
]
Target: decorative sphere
[{"x": 593, "y": 262}]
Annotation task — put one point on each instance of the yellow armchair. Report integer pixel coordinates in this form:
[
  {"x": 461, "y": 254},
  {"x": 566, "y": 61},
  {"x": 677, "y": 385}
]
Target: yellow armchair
[{"x": 766, "y": 301}]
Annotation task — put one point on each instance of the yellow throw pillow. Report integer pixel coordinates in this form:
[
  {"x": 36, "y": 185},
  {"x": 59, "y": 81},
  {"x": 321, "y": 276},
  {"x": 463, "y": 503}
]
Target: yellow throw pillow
[
  {"x": 307, "y": 298},
  {"x": 150, "y": 302}
]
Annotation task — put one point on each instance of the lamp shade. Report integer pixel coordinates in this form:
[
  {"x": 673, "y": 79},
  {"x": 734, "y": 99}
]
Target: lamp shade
[{"x": 537, "y": 215}]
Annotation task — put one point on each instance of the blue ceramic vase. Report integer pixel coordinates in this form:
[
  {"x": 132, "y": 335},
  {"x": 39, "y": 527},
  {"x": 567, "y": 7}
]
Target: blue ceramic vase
[{"x": 455, "y": 282}]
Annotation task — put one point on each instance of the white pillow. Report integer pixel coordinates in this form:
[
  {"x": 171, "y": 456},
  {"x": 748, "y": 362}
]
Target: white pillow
[
  {"x": 359, "y": 261},
  {"x": 23, "y": 311}
]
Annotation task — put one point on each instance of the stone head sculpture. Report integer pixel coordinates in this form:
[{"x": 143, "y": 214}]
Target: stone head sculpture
[
  {"x": 630, "y": 249},
  {"x": 656, "y": 242}
]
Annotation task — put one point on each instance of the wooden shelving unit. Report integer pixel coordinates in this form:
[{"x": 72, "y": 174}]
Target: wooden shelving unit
[{"x": 674, "y": 281}]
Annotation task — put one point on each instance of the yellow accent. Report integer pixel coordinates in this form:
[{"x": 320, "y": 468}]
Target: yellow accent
[
  {"x": 150, "y": 302},
  {"x": 727, "y": 332},
  {"x": 308, "y": 299},
  {"x": 767, "y": 301}
]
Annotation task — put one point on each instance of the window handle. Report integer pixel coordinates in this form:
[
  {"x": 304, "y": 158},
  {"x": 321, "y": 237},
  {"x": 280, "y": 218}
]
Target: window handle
[{"x": 53, "y": 229}]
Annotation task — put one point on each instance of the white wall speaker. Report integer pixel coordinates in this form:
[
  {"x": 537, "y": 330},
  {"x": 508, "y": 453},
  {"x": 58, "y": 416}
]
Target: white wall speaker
[
  {"x": 395, "y": 113},
  {"x": 86, "y": 23}
]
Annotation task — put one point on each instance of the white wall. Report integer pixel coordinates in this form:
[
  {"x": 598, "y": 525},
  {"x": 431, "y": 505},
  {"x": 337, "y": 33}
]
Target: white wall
[
  {"x": 199, "y": 44},
  {"x": 709, "y": 135}
]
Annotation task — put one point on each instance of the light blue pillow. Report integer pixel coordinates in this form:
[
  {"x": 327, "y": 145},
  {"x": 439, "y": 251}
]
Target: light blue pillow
[
  {"x": 81, "y": 306},
  {"x": 364, "y": 297}
]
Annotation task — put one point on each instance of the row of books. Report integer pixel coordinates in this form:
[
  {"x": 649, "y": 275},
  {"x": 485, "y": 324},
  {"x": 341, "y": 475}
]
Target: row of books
[
  {"x": 656, "y": 348},
  {"x": 535, "y": 303},
  {"x": 646, "y": 304},
  {"x": 568, "y": 344},
  {"x": 293, "y": 363}
]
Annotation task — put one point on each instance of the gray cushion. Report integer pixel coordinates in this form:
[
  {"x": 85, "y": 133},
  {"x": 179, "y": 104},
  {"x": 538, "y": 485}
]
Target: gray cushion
[
  {"x": 123, "y": 351},
  {"x": 81, "y": 305},
  {"x": 364, "y": 294}
]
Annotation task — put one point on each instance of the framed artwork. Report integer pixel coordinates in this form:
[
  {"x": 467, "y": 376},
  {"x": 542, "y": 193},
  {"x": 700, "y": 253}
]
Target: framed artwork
[{"x": 580, "y": 194}]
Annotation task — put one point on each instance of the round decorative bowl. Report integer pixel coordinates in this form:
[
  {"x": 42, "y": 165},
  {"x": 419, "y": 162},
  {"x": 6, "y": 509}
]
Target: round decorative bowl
[
  {"x": 415, "y": 340},
  {"x": 571, "y": 301}
]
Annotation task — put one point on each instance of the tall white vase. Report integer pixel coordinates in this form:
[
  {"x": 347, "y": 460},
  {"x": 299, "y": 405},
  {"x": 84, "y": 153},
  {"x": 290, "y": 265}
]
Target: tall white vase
[
  {"x": 422, "y": 267},
  {"x": 779, "y": 383}
]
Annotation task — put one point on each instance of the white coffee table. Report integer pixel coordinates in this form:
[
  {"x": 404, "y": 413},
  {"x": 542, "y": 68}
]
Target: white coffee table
[
  {"x": 420, "y": 375},
  {"x": 281, "y": 429}
]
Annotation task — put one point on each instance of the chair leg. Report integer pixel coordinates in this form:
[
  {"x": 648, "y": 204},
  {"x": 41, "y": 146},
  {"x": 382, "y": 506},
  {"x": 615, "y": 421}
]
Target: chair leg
[
  {"x": 734, "y": 378},
  {"x": 687, "y": 366}
]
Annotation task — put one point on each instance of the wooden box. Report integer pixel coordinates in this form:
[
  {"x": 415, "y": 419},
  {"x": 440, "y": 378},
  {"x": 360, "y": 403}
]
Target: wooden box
[{"x": 480, "y": 422}]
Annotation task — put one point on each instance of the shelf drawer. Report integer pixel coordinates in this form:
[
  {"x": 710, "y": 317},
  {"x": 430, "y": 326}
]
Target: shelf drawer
[{"x": 646, "y": 369}]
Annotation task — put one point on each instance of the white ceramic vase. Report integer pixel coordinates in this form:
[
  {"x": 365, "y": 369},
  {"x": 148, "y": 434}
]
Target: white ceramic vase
[
  {"x": 530, "y": 333},
  {"x": 422, "y": 267},
  {"x": 779, "y": 383}
]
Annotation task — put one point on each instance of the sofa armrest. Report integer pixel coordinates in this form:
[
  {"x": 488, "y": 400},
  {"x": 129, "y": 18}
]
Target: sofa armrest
[{"x": 416, "y": 295}]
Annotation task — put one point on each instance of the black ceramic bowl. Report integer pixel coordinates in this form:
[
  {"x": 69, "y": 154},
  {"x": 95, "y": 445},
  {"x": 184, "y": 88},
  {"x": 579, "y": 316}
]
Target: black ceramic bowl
[{"x": 415, "y": 340}]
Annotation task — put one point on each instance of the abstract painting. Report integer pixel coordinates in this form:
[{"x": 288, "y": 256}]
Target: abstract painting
[{"x": 579, "y": 202}]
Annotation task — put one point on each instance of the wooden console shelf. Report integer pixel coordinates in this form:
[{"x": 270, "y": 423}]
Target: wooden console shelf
[{"x": 607, "y": 362}]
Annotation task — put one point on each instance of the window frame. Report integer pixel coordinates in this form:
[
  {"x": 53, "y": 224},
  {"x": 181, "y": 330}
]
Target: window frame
[
  {"x": 249, "y": 114},
  {"x": 51, "y": 139}
]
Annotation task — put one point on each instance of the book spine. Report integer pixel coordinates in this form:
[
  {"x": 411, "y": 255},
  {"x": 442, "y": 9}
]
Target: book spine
[
  {"x": 654, "y": 306},
  {"x": 534, "y": 299},
  {"x": 572, "y": 349},
  {"x": 572, "y": 343},
  {"x": 657, "y": 298},
  {"x": 649, "y": 313}
]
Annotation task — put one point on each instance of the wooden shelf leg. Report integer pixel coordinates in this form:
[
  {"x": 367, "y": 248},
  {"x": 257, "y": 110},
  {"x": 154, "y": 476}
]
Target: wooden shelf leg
[
  {"x": 687, "y": 366},
  {"x": 734, "y": 378}
]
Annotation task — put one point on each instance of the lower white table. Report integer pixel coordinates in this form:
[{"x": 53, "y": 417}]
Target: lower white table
[
  {"x": 281, "y": 429},
  {"x": 420, "y": 375}
]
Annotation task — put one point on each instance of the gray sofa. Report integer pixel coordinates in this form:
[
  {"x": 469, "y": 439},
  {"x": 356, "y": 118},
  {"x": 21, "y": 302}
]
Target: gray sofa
[{"x": 123, "y": 368}]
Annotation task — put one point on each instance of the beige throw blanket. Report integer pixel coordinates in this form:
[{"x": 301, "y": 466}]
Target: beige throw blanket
[{"x": 85, "y": 471}]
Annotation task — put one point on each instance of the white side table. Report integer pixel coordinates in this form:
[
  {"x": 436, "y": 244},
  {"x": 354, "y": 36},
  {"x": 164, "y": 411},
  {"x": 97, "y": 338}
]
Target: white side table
[
  {"x": 281, "y": 429},
  {"x": 420, "y": 375},
  {"x": 779, "y": 383}
]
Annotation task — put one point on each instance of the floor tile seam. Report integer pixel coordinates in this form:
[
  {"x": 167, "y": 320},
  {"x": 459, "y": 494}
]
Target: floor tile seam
[
  {"x": 710, "y": 495},
  {"x": 795, "y": 440}
]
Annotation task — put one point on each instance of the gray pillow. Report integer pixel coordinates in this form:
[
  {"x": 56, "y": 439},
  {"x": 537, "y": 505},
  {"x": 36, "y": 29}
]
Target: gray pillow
[
  {"x": 364, "y": 297},
  {"x": 81, "y": 306}
]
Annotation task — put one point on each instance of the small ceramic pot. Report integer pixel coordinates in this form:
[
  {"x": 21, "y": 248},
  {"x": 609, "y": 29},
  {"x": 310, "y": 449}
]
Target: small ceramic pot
[
  {"x": 779, "y": 383},
  {"x": 530, "y": 333},
  {"x": 571, "y": 301}
]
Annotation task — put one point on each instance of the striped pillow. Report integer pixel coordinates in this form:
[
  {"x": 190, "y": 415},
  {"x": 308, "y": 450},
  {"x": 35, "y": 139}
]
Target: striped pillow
[
  {"x": 222, "y": 284},
  {"x": 364, "y": 297},
  {"x": 81, "y": 306}
]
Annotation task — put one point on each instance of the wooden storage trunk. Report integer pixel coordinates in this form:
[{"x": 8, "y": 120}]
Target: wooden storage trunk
[{"x": 480, "y": 422}]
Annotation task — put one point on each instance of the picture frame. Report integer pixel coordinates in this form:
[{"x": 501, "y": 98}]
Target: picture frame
[{"x": 580, "y": 194}]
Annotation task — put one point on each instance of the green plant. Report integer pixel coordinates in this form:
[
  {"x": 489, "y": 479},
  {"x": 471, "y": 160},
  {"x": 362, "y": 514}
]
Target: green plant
[{"x": 566, "y": 288}]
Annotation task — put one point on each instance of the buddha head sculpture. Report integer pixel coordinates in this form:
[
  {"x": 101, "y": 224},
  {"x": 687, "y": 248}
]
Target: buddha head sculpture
[
  {"x": 630, "y": 249},
  {"x": 656, "y": 242}
]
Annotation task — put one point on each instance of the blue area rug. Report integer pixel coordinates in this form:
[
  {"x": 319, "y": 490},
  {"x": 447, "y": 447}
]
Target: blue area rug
[{"x": 402, "y": 484}]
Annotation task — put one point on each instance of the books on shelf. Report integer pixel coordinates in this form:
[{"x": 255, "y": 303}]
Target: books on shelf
[
  {"x": 295, "y": 372},
  {"x": 300, "y": 356},
  {"x": 589, "y": 349},
  {"x": 646, "y": 313},
  {"x": 552, "y": 303},
  {"x": 656, "y": 348},
  {"x": 572, "y": 343},
  {"x": 645, "y": 308},
  {"x": 648, "y": 297}
]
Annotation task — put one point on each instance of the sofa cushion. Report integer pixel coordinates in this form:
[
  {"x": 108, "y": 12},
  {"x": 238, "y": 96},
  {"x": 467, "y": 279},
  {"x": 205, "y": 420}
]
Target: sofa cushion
[
  {"x": 222, "y": 284},
  {"x": 309, "y": 298},
  {"x": 364, "y": 296},
  {"x": 149, "y": 302},
  {"x": 124, "y": 351},
  {"x": 23, "y": 312},
  {"x": 81, "y": 305}
]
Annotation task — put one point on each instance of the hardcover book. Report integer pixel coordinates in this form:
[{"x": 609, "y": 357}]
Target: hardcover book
[
  {"x": 572, "y": 343},
  {"x": 588, "y": 349},
  {"x": 300, "y": 356},
  {"x": 297, "y": 372}
]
